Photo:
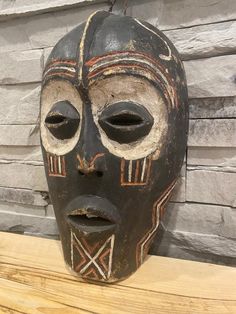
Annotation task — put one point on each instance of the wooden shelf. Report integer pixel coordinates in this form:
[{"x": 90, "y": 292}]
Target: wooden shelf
[{"x": 34, "y": 279}]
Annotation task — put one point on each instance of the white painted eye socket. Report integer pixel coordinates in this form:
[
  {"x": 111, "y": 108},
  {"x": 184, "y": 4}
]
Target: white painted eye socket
[
  {"x": 121, "y": 88},
  {"x": 54, "y": 92}
]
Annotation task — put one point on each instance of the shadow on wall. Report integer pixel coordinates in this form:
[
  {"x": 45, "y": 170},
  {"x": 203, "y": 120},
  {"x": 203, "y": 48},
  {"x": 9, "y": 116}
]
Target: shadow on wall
[{"x": 166, "y": 244}]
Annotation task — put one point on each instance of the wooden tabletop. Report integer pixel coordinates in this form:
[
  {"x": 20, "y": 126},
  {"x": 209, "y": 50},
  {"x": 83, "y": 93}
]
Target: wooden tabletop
[{"x": 34, "y": 279}]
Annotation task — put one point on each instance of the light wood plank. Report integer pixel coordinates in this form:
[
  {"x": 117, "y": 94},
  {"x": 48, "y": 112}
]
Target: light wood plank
[
  {"x": 34, "y": 301},
  {"x": 34, "y": 267}
]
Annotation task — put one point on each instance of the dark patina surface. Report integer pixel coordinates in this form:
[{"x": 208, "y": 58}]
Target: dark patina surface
[{"x": 114, "y": 120}]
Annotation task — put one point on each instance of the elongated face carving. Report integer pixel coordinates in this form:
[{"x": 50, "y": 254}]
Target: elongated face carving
[{"x": 113, "y": 133}]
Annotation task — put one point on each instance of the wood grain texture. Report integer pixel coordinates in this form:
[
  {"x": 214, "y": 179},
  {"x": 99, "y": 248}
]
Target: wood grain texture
[{"x": 34, "y": 279}]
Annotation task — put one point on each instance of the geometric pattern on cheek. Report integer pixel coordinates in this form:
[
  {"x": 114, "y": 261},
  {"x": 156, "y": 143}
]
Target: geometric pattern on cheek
[
  {"x": 135, "y": 172},
  {"x": 56, "y": 165},
  {"x": 92, "y": 261},
  {"x": 158, "y": 208}
]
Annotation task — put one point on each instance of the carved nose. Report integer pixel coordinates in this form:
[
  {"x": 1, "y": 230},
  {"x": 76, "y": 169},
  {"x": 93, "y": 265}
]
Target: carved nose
[{"x": 92, "y": 166}]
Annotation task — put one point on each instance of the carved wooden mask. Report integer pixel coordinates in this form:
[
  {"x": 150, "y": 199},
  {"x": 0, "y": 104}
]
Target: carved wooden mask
[{"x": 114, "y": 121}]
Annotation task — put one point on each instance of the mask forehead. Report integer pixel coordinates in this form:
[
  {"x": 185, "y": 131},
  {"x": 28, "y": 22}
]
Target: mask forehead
[{"x": 137, "y": 64}]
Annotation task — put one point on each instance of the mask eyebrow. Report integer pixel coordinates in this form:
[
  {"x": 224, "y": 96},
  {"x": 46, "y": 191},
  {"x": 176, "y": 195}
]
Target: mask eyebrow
[
  {"x": 62, "y": 68},
  {"x": 135, "y": 63}
]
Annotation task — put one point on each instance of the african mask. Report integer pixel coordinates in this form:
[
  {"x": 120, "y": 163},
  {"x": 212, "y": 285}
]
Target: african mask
[{"x": 113, "y": 131}]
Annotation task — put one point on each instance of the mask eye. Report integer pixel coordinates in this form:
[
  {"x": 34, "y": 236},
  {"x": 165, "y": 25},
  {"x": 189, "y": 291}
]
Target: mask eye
[
  {"x": 125, "y": 118},
  {"x": 126, "y": 122},
  {"x": 62, "y": 120}
]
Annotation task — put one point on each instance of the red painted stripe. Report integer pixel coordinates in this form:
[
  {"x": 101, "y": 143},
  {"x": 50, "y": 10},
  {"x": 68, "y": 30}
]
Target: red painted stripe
[
  {"x": 59, "y": 74},
  {"x": 140, "y": 67}
]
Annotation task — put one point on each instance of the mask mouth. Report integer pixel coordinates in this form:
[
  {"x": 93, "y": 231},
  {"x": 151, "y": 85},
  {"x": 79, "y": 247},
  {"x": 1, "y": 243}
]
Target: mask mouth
[
  {"x": 92, "y": 213},
  {"x": 89, "y": 217}
]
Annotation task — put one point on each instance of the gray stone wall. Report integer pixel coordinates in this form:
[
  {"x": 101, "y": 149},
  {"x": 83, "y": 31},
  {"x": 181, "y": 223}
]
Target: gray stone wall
[{"x": 200, "y": 222}]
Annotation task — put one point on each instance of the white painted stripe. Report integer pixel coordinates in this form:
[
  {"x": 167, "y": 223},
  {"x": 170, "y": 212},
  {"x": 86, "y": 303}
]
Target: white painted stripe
[
  {"x": 92, "y": 259},
  {"x": 138, "y": 59},
  {"x": 132, "y": 59},
  {"x": 141, "y": 61},
  {"x": 59, "y": 164},
  {"x": 81, "y": 47},
  {"x": 164, "y": 57},
  {"x": 111, "y": 256},
  {"x": 143, "y": 170},
  {"x": 130, "y": 171},
  {"x": 151, "y": 233},
  {"x": 71, "y": 250},
  {"x": 51, "y": 164},
  {"x": 158, "y": 206},
  {"x": 69, "y": 69}
]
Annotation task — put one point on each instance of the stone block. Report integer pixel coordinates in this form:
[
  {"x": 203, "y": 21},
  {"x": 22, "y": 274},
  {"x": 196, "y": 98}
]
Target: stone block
[
  {"x": 166, "y": 246},
  {"x": 212, "y": 133},
  {"x": 211, "y": 77},
  {"x": 211, "y": 186},
  {"x": 212, "y": 156},
  {"x": 200, "y": 218},
  {"x": 14, "y": 208},
  {"x": 21, "y": 67},
  {"x": 44, "y": 30},
  {"x": 39, "y": 182},
  {"x": 32, "y": 7},
  {"x": 183, "y": 168},
  {"x": 19, "y": 104},
  {"x": 46, "y": 53},
  {"x": 24, "y": 176},
  {"x": 50, "y": 211},
  {"x": 228, "y": 229},
  {"x": 23, "y": 223},
  {"x": 169, "y": 14},
  {"x": 149, "y": 11},
  {"x": 22, "y": 196},
  {"x": 13, "y": 37},
  {"x": 178, "y": 194},
  {"x": 21, "y": 153},
  {"x": 204, "y": 243},
  {"x": 19, "y": 135},
  {"x": 202, "y": 12},
  {"x": 205, "y": 40},
  {"x": 223, "y": 107},
  {"x": 72, "y": 18}
]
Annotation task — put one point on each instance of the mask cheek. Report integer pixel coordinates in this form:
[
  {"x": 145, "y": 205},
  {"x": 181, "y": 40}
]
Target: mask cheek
[
  {"x": 59, "y": 97},
  {"x": 136, "y": 172},
  {"x": 56, "y": 165}
]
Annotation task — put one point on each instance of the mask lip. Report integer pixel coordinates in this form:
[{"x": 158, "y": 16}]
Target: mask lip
[
  {"x": 93, "y": 205},
  {"x": 91, "y": 214}
]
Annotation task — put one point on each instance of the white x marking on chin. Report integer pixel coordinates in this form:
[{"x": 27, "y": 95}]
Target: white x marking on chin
[{"x": 93, "y": 258}]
